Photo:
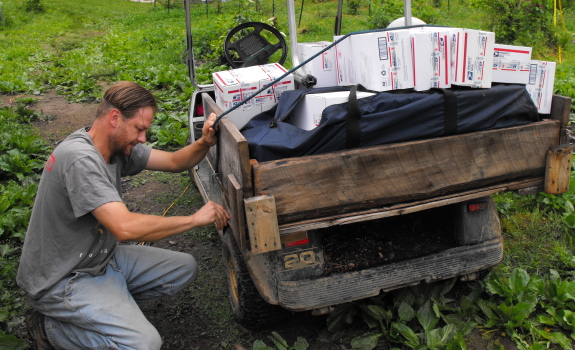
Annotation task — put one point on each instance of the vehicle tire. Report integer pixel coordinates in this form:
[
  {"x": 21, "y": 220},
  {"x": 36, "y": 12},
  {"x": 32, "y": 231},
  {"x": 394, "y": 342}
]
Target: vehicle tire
[{"x": 249, "y": 308}]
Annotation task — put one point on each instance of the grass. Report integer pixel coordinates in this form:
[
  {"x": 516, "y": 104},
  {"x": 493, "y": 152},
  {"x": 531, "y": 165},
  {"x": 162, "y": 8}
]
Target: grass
[{"x": 72, "y": 46}]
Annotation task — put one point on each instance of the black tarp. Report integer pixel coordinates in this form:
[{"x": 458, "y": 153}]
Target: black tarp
[{"x": 386, "y": 117}]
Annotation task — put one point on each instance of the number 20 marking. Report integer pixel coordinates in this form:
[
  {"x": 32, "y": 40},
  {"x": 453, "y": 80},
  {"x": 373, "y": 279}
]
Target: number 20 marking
[{"x": 296, "y": 259}]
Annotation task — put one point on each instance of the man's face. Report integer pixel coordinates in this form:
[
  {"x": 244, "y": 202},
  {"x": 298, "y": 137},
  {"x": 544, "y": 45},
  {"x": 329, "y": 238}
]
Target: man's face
[{"x": 130, "y": 132}]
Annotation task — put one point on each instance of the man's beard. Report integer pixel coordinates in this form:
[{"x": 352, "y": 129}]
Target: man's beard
[{"x": 118, "y": 146}]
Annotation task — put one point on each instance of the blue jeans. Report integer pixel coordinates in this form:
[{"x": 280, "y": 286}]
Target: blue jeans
[{"x": 101, "y": 312}]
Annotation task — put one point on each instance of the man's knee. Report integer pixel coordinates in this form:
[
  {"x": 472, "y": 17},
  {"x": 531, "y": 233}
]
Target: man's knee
[
  {"x": 189, "y": 268},
  {"x": 149, "y": 339}
]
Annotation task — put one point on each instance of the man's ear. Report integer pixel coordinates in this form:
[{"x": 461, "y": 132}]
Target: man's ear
[{"x": 113, "y": 117}]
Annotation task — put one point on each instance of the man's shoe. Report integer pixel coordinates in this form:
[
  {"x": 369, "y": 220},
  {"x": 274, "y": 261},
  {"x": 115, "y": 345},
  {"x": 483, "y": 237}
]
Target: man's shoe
[{"x": 36, "y": 331}]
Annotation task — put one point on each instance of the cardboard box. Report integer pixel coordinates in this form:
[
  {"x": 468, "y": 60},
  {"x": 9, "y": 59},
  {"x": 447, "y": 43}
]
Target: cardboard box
[
  {"x": 233, "y": 86},
  {"x": 511, "y": 64},
  {"x": 431, "y": 59},
  {"x": 454, "y": 35},
  {"x": 540, "y": 84},
  {"x": 322, "y": 67},
  {"x": 474, "y": 58},
  {"x": 511, "y": 72},
  {"x": 380, "y": 61},
  {"x": 230, "y": 91},
  {"x": 512, "y": 52},
  {"x": 307, "y": 114},
  {"x": 272, "y": 94},
  {"x": 345, "y": 73}
]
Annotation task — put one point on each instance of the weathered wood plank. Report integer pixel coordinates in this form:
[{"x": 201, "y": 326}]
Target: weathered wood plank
[
  {"x": 210, "y": 106},
  {"x": 560, "y": 109},
  {"x": 238, "y": 222},
  {"x": 558, "y": 169},
  {"x": 235, "y": 159},
  {"x": 357, "y": 179},
  {"x": 262, "y": 224},
  {"x": 405, "y": 208}
]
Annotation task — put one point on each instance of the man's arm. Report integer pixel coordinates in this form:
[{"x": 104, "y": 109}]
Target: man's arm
[
  {"x": 128, "y": 226},
  {"x": 187, "y": 157}
]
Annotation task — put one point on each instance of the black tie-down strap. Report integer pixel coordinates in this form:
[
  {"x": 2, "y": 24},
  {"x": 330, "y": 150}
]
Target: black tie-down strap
[
  {"x": 353, "y": 136},
  {"x": 450, "y": 106}
]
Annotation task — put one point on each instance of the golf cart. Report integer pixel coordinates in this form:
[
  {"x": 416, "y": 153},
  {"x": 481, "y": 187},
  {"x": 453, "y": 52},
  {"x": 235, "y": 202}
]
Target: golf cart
[{"x": 313, "y": 232}]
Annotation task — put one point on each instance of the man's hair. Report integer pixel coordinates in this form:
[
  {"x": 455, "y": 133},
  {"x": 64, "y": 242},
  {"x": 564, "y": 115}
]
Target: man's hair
[{"x": 128, "y": 97}]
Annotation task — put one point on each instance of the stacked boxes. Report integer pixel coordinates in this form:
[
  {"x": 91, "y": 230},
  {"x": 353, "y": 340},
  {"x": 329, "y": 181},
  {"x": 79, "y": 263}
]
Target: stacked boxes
[
  {"x": 321, "y": 67},
  {"x": 419, "y": 58},
  {"x": 233, "y": 86}
]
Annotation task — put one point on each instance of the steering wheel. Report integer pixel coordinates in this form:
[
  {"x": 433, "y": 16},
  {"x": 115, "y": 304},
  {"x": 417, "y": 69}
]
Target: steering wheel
[{"x": 253, "y": 43}]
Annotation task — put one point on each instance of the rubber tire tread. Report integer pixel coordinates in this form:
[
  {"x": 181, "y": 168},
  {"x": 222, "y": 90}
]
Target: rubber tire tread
[{"x": 250, "y": 310}]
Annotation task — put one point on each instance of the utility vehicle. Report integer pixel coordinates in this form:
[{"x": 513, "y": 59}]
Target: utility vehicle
[{"x": 310, "y": 233}]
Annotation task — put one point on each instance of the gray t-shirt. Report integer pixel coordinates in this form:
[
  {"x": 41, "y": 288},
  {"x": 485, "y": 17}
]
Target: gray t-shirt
[{"x": 63, "y": 236}]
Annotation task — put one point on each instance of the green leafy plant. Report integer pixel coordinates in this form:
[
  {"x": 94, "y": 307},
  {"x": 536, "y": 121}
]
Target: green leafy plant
[
  {"x": 33, "y": 6},
  {"x": 280, "y": 343},
  {"x": 353, "y": 7},
  {"x": 169, "y": 129},
  {"x": 517, "y": 304},
  {"x": 421, "y": 317},
  {"x": 521, "y": 22}
]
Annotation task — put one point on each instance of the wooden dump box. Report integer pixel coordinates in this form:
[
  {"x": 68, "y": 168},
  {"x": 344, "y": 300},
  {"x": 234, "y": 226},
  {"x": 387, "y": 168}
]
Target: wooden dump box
[{"x": 272, "y": 199}]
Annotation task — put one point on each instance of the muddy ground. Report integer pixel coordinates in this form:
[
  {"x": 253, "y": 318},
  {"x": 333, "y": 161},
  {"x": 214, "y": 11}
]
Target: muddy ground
[{"x": 199, "y": 317}]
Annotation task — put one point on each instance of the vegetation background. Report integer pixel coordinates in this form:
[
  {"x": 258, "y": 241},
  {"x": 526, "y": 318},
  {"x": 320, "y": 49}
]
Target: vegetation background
[{"x": 75, "y": 47}]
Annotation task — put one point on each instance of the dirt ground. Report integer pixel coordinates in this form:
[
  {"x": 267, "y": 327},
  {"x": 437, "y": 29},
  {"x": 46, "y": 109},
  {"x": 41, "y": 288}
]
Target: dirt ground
[{"x": 184, "y": 321}]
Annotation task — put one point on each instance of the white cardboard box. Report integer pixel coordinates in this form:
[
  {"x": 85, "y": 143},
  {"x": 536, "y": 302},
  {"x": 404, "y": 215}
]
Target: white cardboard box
[
  {"x": 511, "y": 64},
  {"x": 233, "y": 86},
  {"x": 380, "y": 61},
  {"x": 307, "y": 114},
  {"x": 454, "y": 35},
  {"x": 345, "y": 73},
  {"x": 474, "y": 58},
  {"x": 323, "y": 67},
  {"x": 431, "y": 59},
  {"x": 230, "y": 91},
  {"x": 512, "y": 52},
  {"x": 511, "y": 72},
  {"x": 540, "y": 84},
  {"x": 273, "y": 94}
]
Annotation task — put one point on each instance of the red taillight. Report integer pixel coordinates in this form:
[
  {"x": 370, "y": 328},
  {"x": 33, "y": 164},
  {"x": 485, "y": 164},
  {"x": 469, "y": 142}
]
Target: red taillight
[
  {"x": 300, "y": 242},
  {"x": 477, "y": 206}
]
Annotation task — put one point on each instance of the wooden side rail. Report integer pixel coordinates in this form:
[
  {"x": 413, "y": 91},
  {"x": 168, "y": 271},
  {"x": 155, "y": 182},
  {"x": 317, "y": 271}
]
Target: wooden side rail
[{"x": 354, "y": 180}]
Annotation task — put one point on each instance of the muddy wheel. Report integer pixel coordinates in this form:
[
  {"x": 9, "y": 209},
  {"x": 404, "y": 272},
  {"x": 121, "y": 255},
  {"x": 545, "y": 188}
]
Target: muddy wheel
[{"x": 249, "y": 308}]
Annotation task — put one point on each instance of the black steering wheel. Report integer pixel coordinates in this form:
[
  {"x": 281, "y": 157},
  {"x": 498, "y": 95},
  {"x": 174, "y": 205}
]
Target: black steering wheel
[{"x": 253, "y": 43}]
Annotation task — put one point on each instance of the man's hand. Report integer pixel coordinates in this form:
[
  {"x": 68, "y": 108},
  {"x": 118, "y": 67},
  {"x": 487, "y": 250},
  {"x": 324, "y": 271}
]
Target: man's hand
[
  {"x": 128, "y": 226},
  {"x": 212, "y": 213},
  {"x": 209, "y": 133},
  {"x": 188, "y": 156}
]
